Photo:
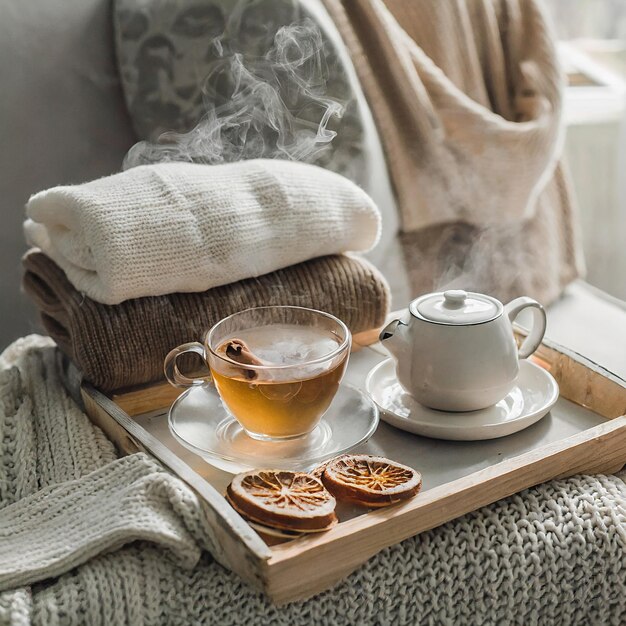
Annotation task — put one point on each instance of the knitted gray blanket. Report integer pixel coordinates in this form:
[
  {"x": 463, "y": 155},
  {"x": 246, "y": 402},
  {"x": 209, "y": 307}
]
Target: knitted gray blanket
[{"x": 87, "y": 538}]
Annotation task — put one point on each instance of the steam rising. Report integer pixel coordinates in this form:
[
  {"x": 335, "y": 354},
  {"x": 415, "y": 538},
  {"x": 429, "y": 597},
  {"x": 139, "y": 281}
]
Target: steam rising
[
  {"x": 493, "y": 260},
  {"x": 272, "y": 106}
]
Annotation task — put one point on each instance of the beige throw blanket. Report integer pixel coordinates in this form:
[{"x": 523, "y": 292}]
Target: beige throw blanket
[
  {"x": 467, "y": 96},
  {"x": 184, "y": 227}
]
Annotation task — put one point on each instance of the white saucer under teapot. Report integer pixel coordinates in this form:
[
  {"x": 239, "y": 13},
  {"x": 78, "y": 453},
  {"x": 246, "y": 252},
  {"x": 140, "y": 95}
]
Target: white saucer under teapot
[{"x": 455, "y": 351}]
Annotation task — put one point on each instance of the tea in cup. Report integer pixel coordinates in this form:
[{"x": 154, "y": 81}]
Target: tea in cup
[{"x": 276, "y": 369}]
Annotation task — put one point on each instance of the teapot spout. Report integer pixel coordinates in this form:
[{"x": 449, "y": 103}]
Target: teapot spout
[{"x": 395, "y": 338}]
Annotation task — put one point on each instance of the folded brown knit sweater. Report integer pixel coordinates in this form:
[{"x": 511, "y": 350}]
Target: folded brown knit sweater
[{"x": 123, "y": 345}]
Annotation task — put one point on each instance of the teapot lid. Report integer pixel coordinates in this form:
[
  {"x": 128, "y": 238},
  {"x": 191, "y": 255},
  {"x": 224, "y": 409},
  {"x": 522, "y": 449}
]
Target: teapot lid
[{"x": 456, "y": 307}]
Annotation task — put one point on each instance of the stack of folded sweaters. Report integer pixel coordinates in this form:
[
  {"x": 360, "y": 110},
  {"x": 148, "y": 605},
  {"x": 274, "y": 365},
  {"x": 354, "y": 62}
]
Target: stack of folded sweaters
[{"x": 126, "y": 267}]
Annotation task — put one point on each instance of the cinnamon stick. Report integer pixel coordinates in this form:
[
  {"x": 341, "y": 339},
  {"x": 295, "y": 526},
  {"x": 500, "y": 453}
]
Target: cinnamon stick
[{"x": 239, "y": 352}]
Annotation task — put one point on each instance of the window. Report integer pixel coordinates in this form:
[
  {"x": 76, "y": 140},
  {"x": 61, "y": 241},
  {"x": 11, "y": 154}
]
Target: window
[{"x": 593, "y": 49}]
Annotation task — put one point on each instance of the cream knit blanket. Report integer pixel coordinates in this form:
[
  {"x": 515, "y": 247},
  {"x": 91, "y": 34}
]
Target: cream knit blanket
[
  {"x": 182, "y": 227},
  {"x": 86, "y": 538}
]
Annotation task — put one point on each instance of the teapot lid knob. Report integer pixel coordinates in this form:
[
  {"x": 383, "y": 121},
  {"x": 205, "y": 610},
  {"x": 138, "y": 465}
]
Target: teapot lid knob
[{"x": 454, "y": 298}]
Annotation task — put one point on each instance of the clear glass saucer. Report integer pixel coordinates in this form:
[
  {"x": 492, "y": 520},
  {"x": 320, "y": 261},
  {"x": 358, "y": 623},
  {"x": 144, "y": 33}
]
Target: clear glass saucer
[{"x": 200, "y": 422}]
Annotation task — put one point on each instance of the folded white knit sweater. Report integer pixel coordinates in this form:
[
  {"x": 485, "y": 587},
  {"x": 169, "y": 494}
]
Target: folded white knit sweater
[{"x": 173, "y": 227}]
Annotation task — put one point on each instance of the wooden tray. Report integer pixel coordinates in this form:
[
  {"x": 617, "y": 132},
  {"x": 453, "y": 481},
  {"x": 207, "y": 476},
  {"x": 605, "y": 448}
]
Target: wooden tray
[{"x": 584, "y": 433}]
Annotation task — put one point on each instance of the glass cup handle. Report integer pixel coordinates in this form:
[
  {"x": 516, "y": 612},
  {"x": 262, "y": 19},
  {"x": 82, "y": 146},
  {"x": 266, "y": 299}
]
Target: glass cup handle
[{"x": 173, "y": 374}]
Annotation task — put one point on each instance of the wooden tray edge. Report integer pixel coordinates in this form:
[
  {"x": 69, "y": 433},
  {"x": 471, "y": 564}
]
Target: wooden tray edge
[
  {"x": 279, "y": 570},
  {"x": 235, "y": 544},
  {"x": 601, "y": 449}
]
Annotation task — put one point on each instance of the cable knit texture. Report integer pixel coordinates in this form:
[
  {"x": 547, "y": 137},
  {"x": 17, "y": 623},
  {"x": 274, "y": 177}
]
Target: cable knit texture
[
  {"x": 171, "y": 227},
  {"x": 123, "y": 345},
  {"x": 105, "y": 541}
]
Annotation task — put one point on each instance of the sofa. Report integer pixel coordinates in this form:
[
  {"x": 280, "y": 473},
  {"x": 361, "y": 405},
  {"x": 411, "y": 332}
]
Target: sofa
[{"x": 63, "y": 119}]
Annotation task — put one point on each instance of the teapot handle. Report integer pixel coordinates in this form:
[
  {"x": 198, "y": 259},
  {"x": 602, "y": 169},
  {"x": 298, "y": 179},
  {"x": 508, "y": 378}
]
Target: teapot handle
[{"x": 538, "y": 329}]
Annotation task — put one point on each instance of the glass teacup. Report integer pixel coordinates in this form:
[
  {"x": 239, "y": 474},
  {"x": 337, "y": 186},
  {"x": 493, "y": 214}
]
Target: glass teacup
[{"x": 276, "y": 368}]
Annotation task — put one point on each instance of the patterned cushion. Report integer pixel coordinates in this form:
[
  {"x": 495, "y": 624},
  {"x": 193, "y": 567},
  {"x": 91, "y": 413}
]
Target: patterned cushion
[{"x": 180, "y": 61}]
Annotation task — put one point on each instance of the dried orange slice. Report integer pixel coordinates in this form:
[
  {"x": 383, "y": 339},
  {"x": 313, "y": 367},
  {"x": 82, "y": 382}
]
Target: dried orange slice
[
  {"x": 282, "y": 499},
  {"x": 370, "y": 480}
]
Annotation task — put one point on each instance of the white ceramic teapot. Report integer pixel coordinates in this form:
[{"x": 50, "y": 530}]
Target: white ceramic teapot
[{"x": 457, "y": 352}]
